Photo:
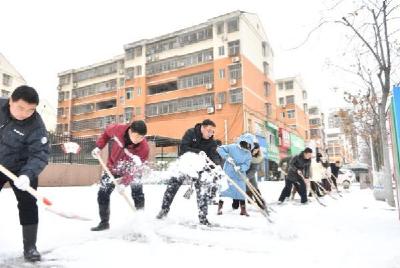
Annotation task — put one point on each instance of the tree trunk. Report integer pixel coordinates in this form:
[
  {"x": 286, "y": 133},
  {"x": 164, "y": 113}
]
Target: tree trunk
[{"x": 386, "y": 162}]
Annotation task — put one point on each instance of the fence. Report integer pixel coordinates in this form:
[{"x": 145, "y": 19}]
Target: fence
[{"x": 57, "y": 154}]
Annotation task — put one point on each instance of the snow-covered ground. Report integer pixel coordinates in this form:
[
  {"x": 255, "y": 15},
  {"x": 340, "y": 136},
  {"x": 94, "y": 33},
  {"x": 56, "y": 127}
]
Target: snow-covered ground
[{"x": 353, "y": 231}]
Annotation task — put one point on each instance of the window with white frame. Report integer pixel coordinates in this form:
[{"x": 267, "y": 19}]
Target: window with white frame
[
  {"x": 290, "y": 99},
  {"x": 221, "y": 50},
  {"x": 129, "y": 93},
  {"x": 290, "y": 113}
]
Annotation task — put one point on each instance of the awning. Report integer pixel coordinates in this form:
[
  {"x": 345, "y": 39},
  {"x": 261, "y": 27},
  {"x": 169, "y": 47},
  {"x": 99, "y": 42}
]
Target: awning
[{"x": 163, "y": 141}]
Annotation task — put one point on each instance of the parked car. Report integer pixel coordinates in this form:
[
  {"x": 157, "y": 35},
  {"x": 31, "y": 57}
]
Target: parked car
[{"x": 346, "y": 177}]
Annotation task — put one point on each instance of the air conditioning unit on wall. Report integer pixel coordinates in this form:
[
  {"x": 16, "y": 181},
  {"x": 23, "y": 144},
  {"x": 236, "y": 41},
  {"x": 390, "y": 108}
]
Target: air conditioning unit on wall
[
  {"x": 232, "y": 82},
  {"x": 210, "y": 110},
  {"x": 235, "y": 59},
  {"x": 209, "y": 86},
  {"x": 218, "y": 106}
]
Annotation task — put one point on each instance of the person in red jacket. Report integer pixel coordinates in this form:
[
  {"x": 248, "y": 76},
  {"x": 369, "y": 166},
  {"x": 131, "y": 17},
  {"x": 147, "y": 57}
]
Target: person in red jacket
[{"x": 128, "y": 147}]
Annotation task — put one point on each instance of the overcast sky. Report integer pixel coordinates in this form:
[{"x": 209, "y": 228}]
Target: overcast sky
[{"x": 43, "y": 38}]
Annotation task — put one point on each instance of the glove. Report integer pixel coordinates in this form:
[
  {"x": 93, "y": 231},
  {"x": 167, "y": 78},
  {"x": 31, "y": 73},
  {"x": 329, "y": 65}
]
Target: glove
[
  {"x": 22, "y": 182},
  {"x": 230, "y": 160},
  {"x": 95, "y": 152},
  {"x": 299, "y": 172},
  {"x": 236, "y": 168},
  {"x": 136, "y": 160}
]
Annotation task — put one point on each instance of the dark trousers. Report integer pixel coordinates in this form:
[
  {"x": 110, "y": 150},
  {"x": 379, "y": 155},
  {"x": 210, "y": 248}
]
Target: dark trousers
[
  {"x": 300, "y": 187},
  {"x": 28, "y": 210},
  {"x": 315, "y": 188},
  {"x": 334, "y": 181},
  {"x": 107, "y": 187},
  {"x": 326, "y": 185},
  {"x": 202, "y": 196}
]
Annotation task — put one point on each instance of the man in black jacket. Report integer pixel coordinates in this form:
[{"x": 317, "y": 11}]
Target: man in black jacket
[
  {"x": 299, "y": 169},
  {"x": 24, "y": 151},
  {"x": 196, "y": 140},
  {"x": 335, "y": 167}
]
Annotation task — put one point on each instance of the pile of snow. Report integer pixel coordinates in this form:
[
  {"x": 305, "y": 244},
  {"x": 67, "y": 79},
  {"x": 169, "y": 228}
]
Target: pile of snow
[{"x": 353, "y": 231}]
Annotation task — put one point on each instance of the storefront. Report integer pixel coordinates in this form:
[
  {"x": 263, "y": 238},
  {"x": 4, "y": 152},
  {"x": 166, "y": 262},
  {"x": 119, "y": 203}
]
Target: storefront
[
  {"x": 284, "y": 143},
  {"x": 297, "y": 145}
]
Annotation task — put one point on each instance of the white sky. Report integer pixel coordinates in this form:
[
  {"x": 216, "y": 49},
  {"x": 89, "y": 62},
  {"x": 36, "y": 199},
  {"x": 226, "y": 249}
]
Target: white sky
[{"x": 43, "y": 38}]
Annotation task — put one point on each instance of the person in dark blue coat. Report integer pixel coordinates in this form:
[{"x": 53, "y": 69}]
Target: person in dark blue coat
[
  {"x": 237, "y": 160},
  {"x": 24, "y": 150}
]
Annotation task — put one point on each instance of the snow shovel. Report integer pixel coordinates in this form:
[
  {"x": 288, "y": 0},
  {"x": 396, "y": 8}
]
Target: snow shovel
[
  {"x": 45, "y": 201},
  {"x": 332, "y": 184},
  {"x": 320, "y": 186},
  {"x": 263, "y": 212},
  {"x": 312, "y": 191},
  {"x": 119, "y": 187},
  {"x": 254, "y": 191}
]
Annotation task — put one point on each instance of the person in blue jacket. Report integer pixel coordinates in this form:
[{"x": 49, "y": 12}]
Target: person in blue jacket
[{"x": 237, "y": 160}]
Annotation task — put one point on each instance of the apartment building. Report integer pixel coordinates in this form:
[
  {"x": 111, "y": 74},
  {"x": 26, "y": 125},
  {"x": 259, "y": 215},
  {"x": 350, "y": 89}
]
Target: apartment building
[
  {"x": 220, "y": 69},
  {"x": 341, "y": 143},
  {"x": 10, "y": 78},
  {"x": 317, "y": 128},
  {"x": 292, "y": 105}
]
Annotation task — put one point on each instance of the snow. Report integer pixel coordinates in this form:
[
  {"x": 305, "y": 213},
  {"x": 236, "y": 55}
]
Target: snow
[{"x": 353, "y": 231}]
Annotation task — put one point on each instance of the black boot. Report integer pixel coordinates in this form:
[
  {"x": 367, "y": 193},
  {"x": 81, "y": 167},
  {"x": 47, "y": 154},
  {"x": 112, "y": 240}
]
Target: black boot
[
  {"x": 163, "y": 213},
  {"x": 29, "y": 234},
  {"x": 104, "y": 212},
  {"x": 220, "y": 205}
]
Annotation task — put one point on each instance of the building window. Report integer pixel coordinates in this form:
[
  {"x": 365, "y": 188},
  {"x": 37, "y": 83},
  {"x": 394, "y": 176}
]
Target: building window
[
  {"x": 288, "y": 85},
  {"x": 129, "y": 93},
  {"x": 179, "y": 62},
  {"x": 139, "y": 91},
  {"x": 234, "y": 48},
  {"x": 268, "y": 107},
  {"x": 235, "y": 95},
  {"x": 64, "y": 80},
  {"x": 196, "y": 80},
  {"x": 221, "y": 73},
  {"x": 280, "y": 85},
  {"x": 304, "y": 94},
  {"x": 264, "y": 49},
  {"x": 96, "y": 72},
  {"x": 233, "y": 25},
  {"x": 5, "y": 93},
  {"x": 315, "y": 121},
  {"x": 93, "y": 89},
  {"x": 138, "y": 51},
  {"x": 313, "y": 111},
  {"x": 221, "y": 97},
  {"x": 235, "y": 71},
  {"x": 122, "y": 100},
  {"x": 305, "y": 106},
  {"x": 138, "y": 111},
  {"x": 139, "y": 70},
  {"x": 122, "y": 82},
  {"x": 60, "y": 111},
  {"x": 220, "y": 27},
  {"x": 221, "y": 51},
  {"x": 129, "y": 54},
  {"x": 180, "y": 105},
  {"x": 267, "y": 89},
  {"x": 266, "y": 68},
  {"x": 129, "y": 73},
  {"x": 283, "y": 115},
  {"x": 7, "y": 79},
  {"x": 290, "y": 114},
  {"x": 128, "y": 114},
  {"x": 314, "y": 133},
  {"x": 290, "y": 99},
  {"x": 281, "y": 101}
]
